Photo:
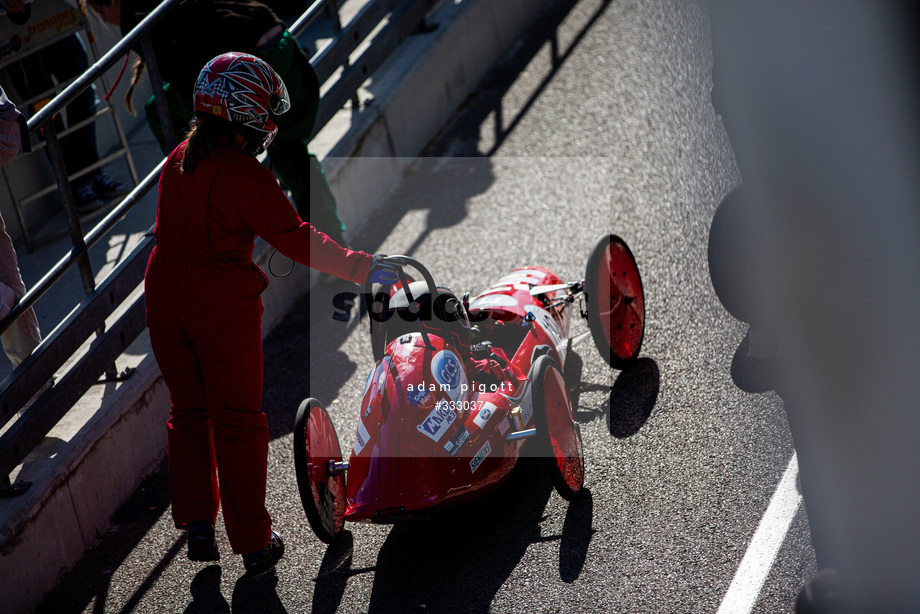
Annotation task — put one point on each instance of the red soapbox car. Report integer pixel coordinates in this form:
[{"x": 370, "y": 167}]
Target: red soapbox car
[{"x": 462, "y": 389}]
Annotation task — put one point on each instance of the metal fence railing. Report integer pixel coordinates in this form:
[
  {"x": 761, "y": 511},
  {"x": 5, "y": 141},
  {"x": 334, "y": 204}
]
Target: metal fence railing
[
  {"x": 72, "y": 21},
  {"x": 391, "y": 21}
]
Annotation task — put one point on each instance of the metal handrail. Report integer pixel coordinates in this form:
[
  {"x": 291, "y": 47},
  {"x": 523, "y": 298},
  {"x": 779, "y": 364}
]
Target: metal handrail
[
  {"x": 116, "y": 288},
  {"x": 92, "y": 237},
  {"x": 310, "y": 15}
]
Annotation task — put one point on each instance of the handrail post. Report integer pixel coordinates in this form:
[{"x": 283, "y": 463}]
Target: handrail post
[
  {"x": 73, "y": 222},
  {"x": 332, "y": 11},
  {"x": 159, "y": 96},
  {"x": 70, "y": 208}
]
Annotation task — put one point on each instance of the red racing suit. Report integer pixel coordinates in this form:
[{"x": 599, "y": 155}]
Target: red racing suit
[{"x": 204, "y": 316}]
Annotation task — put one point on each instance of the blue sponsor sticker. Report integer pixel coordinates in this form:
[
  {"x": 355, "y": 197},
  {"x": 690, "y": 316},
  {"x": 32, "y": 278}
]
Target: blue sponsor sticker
[
  {"x": 435, "y": 425},
  {"x": 418, "y": 397},
  {"x": 456, "y": 442},
  {"x": 446, "y": 368}
]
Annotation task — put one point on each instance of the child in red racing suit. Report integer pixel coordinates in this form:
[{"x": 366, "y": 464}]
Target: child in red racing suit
[{"x": 204, "y": 308}]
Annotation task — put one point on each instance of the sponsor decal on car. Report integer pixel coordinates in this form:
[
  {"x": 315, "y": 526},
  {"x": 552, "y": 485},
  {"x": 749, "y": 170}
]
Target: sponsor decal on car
[
  {"x": 361, "y": 438},
  {"x": 484, "y": 451},
  {"x": 456, "y": 442},
  {"x": 435, "y": 425},
  {"x": 548, "y": 324},
  {"x": 448, "y": 372},
  {"x": 482, "y": 418},
  {"x": 419, "y": 397},
  {"x": 503, "y": 426},
  {"x": 526, "y": 408},
  {"x": 376, "y": 384}
]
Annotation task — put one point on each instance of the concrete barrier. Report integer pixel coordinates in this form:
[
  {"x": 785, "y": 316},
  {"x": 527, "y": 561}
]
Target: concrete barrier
[{"x": 96, "y": 457}]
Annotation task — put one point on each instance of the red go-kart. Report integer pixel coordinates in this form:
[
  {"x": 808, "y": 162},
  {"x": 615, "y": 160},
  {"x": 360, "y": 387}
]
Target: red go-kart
[{"x": 462, "y": 389}]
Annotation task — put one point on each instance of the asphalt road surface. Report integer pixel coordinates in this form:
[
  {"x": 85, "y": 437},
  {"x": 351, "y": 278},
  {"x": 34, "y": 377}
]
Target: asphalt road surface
[{"x": 599, "y": 121}]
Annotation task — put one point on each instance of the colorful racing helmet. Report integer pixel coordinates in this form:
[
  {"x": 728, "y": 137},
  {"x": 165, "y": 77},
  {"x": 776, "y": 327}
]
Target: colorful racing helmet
[{"x": 245, "y": 91}]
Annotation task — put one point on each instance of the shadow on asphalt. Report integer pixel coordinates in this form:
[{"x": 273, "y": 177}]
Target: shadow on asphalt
[
  {"x": 632, "y": 397},
  {"x": 576, "y": 536},
  {"x": 206, "y": 595},
  {"x": 90, "y": 581},
  {"x": 257, "y": 595},
  {"x": 334, "y": 572},
  {"x": 460, "y": 560},
  {"x": 487, "y": 105}
]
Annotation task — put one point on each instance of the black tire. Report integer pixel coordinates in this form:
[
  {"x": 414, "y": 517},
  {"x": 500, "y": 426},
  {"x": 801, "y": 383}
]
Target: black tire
[
  {"x": 322, "y": 494},
  {"x": 615, "y": 301},
  {"x": 558, "y": 434}
]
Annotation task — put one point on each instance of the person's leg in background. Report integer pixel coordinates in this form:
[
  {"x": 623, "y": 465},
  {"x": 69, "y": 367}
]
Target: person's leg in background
[
  {"x": 825, "y": 98},
  {"x": 20, "y": 339},
  {"x": 323, "y": 207},
  {"x": 289, "y": 153},
  {"x": 311, "y": 194},
  {"x": 66, "y": 60}
]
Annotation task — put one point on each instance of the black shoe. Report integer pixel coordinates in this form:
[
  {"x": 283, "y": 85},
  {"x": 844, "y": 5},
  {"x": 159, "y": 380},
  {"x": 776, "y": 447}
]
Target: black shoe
[
  {"x": 262, "y": 560},
  {"x": 107, "y": 188},
  {"x": 202, "y": 545},
  {"x": 85, "y": 197}
]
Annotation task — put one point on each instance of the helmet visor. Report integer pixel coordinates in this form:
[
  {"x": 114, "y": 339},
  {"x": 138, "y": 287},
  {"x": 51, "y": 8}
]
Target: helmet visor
[{"x": 279, "y": 101}]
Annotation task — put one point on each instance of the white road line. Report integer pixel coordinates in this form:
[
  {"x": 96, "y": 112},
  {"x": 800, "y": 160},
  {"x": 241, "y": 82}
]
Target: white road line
[{"x": 770, "y": 534}]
